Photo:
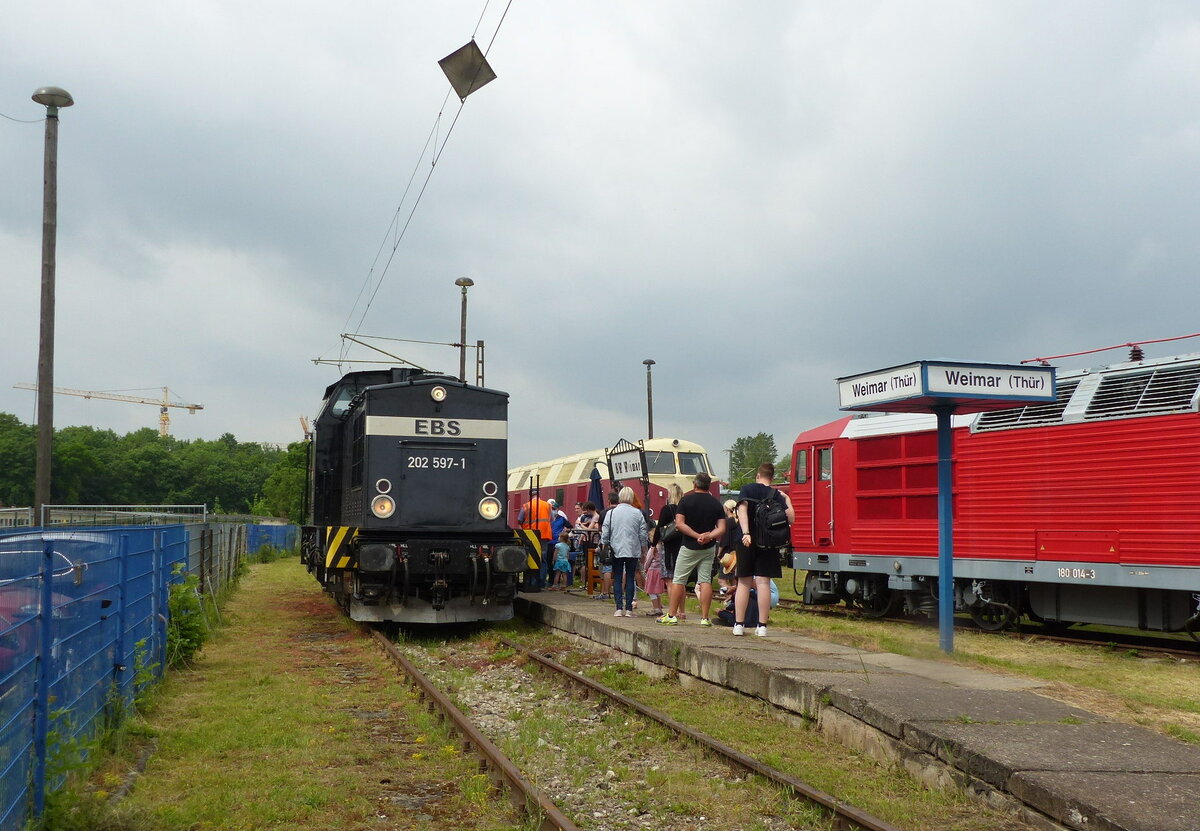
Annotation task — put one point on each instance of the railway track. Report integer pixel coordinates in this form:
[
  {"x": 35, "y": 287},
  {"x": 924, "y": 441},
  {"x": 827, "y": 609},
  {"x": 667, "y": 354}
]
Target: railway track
[
  {"x": 541, "y": 808},
  {"x": 1108, "y": 640}
]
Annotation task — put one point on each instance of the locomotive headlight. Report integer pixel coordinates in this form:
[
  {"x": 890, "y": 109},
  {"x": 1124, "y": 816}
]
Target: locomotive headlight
[
  {"x": 376, "y": 557},
  {"x": 383, "y": 506},
  {"x": 438, "y": 394},
  {"x": 489, "y": 507}
]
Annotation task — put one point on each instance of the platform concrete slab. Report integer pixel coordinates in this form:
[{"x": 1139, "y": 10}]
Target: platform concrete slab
[
  {"x": 996, "y": 752},
  {"x": 959, "y": 676},
  {"x": 1118, "y": 801},
  {"x": 900, "y": 705}
]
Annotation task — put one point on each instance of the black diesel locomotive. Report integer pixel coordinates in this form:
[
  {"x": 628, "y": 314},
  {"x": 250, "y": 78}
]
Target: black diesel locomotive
[{"x": 406, "y": 496}]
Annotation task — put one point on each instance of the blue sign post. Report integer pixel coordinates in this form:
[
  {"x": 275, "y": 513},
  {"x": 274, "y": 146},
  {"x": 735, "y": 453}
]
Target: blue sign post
[{"x": 945, "y": 388}]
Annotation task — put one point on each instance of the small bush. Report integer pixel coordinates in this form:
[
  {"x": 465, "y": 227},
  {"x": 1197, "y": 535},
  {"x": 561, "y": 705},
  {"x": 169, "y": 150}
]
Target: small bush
[{"x": 187, "y": 627}]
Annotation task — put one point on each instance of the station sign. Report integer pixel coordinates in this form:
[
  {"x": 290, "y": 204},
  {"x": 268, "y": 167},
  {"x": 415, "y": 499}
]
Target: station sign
[
  {"x": 627, "y": 465},
  {"x": 969, "y": 387},
  {"x": 943, "y": 388}
]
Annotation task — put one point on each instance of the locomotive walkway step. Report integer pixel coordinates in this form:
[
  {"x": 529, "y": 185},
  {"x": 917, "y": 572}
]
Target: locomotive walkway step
[{"x": 946, "y": 724}]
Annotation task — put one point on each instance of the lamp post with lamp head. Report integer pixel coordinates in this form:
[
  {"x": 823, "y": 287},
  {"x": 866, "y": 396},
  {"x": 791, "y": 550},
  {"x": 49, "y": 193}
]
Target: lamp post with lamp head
[
  {"x": 53, "y": 98},
  {"x": 649, "y": 362},
  {"x": 465, "y": 283}
]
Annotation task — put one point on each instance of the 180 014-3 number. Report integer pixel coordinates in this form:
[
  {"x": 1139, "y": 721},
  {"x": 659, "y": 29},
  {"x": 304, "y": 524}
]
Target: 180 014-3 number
[
  {"x": 1077, "y": 573},
  {"x": 437, "y": 462}
]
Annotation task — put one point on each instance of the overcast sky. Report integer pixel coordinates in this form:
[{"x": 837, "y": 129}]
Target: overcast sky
[{"x": 760, "y": 196}]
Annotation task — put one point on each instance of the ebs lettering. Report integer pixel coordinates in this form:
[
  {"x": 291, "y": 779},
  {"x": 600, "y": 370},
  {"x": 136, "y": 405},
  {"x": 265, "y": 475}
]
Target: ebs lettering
[{"x": 437, "y": 427}]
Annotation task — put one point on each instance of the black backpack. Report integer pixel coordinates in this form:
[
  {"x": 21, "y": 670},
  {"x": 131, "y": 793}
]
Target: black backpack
[{"x": 770, "y": 528}]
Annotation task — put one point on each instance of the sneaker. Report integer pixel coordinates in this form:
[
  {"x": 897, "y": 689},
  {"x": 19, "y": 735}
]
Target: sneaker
[
  {"x": 739, "y": 629},
  {"x": 628, "y": 613},
  {"x": 669, "y": 620},
  {"x": 761, "y": 631},
  {"x": 619, "y": 613},
  {"x": 705, "y": 622}
]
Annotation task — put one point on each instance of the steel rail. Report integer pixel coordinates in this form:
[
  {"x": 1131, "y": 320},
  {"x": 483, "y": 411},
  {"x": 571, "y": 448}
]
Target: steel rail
[
  {"x": 842, "y": 811},
  {"x": 524, "y": 793}
]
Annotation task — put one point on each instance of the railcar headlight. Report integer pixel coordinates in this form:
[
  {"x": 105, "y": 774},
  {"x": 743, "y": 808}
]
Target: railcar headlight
[
  {"x": 438, "y": 394},
  {"x": 383, "y": 506},
  {"x": 489, "y": 507}
]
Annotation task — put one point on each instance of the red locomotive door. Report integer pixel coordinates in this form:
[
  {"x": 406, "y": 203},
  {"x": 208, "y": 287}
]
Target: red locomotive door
[{"x": 821, "y": 486}]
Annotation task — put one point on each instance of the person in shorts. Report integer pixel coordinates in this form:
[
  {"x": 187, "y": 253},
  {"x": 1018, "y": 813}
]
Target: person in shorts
[
  {"x": 756, "y": 565},
  {"x": 701, "y": 520}
]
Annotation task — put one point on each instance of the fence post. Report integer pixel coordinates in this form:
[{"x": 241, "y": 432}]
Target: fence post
[
  {"x": 41, "y": 712},
  {"x": 122, "y": 663},
  {"x": 160, "y": 605}
]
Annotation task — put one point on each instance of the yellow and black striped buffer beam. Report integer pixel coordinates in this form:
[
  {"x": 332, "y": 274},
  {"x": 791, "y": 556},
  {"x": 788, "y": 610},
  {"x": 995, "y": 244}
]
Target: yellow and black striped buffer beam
[
  {"x": 533, "y": 547},
  {"x": 337, "y": 545}
]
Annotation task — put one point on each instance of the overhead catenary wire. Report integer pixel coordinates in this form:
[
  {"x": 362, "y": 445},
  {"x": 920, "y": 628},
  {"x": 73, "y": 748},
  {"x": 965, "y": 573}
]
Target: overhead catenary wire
[{"x": 439, "y": 148}]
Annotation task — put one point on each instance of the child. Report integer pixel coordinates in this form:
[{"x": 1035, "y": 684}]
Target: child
[
  {"x": 655, "y": 583},
  {"x": 562, "y": 561}
]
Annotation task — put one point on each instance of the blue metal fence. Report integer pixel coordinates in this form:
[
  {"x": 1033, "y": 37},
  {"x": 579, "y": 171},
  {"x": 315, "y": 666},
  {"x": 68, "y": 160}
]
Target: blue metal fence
[
  {"x": 283, "y": 537},
  {"x": 83, "y": 628}
]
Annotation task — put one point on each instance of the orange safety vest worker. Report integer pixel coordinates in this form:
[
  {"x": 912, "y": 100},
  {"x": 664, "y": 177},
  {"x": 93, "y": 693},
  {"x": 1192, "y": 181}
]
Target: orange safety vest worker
[{"x": 536, "y": 517}]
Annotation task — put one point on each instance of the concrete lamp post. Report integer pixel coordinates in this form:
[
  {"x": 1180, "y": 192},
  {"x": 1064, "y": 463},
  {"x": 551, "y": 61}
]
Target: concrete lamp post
[
  {"x": 53, "y": 98},
  {"x": 649, "y": 362},
  {"x": 465, "y": 283}
]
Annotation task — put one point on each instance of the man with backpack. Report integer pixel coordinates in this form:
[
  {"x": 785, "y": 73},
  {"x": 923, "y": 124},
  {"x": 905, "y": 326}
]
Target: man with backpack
[{"x": 764, "y": 515}]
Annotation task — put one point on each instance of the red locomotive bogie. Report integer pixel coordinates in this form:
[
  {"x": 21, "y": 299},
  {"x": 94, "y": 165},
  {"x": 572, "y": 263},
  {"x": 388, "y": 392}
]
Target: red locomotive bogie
[{"x": 1087, "y": 510}]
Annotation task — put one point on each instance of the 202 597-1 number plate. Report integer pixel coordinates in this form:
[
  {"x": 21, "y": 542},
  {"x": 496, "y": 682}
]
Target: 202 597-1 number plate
[{"x": 437, "y": 463}]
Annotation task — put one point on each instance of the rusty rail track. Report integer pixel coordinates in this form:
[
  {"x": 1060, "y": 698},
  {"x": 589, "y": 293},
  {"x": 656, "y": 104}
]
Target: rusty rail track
[
  {"x": 845, "y": 815},
  {"x": 524, "y": 794}
]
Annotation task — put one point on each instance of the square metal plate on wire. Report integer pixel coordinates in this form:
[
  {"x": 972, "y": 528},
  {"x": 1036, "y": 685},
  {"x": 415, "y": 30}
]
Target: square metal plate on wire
[{"x": 467, "y": 69}]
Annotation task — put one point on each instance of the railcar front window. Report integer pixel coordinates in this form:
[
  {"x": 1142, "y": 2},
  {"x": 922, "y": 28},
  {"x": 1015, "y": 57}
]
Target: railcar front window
[
  {"x": 660, "y": 461},
  {"x": 692, "y": 463}
]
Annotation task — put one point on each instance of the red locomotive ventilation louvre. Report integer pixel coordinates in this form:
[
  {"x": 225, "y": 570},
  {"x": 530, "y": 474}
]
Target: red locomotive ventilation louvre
[
  {"x": 1157, "y": 391},
  {"x": 1031, "y": 415}
]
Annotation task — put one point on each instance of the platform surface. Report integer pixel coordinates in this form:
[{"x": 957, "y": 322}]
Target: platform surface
[{"x": 1077, "y": 768}]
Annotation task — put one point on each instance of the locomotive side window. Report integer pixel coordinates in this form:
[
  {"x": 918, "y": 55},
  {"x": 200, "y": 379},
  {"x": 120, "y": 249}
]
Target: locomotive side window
[
  {"x": 825, "y": 464},
  {"x": 692, "y": 463},
  {"x": 660, "y": 461},
  {"x": 800, "y": 467}
]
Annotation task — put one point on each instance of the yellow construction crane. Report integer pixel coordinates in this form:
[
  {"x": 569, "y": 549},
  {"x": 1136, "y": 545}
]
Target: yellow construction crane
[{"x": 164, "y": 420}]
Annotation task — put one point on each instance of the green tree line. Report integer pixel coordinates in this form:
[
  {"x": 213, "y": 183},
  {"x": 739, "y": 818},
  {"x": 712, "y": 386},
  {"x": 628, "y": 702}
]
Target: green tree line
[
  {"x": 748, "y": 452},
  {"x": 98, "y": 467}
]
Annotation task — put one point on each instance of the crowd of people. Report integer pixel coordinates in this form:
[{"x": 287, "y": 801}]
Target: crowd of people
[{"x": 695, "y": 539}]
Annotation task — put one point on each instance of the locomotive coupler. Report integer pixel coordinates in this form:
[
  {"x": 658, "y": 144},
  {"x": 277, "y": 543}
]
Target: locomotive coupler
[{"x": 439, "y": 594}]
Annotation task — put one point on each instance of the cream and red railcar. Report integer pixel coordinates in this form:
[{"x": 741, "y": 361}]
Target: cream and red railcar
[
  {"x": 1086, "y": 510},
  {"x": 567, "y": 479}
]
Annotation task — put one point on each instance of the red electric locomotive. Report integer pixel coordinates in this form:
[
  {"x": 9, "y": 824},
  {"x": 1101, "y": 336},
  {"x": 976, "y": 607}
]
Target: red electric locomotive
[{"x": 1086, "y": 510}]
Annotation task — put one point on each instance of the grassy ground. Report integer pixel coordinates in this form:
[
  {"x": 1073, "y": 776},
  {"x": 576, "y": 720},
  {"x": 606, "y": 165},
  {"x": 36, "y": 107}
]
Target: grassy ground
[{"x": 292, "y": 719}]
